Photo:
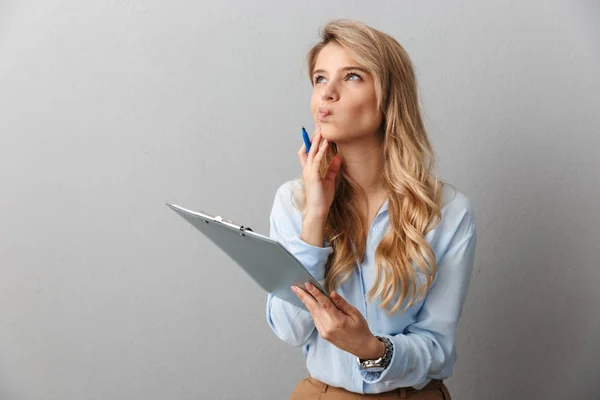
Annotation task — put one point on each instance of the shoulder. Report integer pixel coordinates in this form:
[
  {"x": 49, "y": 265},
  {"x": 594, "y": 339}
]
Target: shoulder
[
  {"x": 283, "y": 203},
  {"x": 455, "y": 201},
  {"x": 458, "y": 212},
  {"x": 285, "y": 217},
  {"x": 287, "y": 188},
  {"x": 286, "y": 191}
]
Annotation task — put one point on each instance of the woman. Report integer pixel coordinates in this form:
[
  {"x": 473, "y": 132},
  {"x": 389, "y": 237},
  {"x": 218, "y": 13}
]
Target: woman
[{"x": 392, "y": 244}]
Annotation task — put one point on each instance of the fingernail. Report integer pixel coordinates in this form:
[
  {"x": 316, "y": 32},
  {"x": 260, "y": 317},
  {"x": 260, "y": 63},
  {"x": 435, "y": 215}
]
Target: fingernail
[
  {"x": 309, "y": 286},
  {"x": 293, "y": 288}
]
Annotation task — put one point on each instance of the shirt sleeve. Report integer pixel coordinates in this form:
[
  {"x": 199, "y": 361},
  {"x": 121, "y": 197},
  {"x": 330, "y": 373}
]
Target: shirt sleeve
[
  {"x": 292, "y": 324},
  {"x": 428, "y": 344}
]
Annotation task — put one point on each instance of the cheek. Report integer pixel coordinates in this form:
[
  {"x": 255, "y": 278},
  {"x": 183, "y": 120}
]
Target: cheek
[
  {"x": 368, "y": 107},
  {"x": 315, "y": 102},
  {"x": 362, "y": 115},
  {"x": 362, "y": 111}
]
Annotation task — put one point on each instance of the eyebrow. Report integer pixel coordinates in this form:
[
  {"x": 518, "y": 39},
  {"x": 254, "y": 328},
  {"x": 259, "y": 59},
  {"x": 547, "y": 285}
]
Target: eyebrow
[{"x": 320, "y": 71}]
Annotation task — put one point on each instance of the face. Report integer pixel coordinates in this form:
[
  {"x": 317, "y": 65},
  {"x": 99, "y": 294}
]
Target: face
[{"x": 343, "y": 103}]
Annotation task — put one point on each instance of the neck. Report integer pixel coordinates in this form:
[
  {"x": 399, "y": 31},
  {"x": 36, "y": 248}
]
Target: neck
[{"x": 363, "y": 163}]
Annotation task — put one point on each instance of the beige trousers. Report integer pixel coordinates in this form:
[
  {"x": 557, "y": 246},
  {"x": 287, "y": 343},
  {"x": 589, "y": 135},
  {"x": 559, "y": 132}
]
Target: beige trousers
[{"x": 313, "y": 389}]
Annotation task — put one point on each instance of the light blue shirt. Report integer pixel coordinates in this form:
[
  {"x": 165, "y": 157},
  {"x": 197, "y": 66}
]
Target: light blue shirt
[{"x": 423, "y": 336}]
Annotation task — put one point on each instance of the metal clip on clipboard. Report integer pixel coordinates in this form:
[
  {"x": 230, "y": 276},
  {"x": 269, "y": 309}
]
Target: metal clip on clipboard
[{"x": 229, "y": 223}]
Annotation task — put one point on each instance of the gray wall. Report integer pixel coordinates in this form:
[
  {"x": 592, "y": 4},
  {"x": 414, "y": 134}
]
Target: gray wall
[{"x": 111, "y": 108}]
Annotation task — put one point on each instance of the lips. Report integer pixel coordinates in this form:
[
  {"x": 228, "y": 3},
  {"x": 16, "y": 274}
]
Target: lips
[{"x": 323, "y": 112}]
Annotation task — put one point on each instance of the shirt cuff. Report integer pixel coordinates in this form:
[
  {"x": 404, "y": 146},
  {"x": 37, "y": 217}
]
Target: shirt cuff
[{"x": 312, "y": 257}]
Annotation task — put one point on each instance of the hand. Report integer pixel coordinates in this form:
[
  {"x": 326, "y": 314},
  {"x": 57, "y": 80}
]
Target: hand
[
  {"x": 319, "y": 191},
  {"x": 340, "y": 323}
]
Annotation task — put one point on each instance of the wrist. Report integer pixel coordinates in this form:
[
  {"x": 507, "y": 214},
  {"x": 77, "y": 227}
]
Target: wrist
[
  {"x": 373, "y": 350},
  {"x": 380, "y": 363},
  {"x": 313, "y": 230},
  {"x": 314, "y": 218}
]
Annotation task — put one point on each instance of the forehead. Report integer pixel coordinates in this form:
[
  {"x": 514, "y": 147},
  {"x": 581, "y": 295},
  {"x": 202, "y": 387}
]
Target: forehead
[{"x": 332, "y": 56}]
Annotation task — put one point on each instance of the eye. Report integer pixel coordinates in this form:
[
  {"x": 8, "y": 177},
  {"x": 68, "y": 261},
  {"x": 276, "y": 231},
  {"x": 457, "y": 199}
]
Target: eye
[
  {"x": 353, "y": 74},
  {"x": 317, "y": 78}
]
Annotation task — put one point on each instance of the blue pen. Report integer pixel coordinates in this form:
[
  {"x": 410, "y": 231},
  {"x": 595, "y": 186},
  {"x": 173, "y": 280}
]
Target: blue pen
[{"x": 306, "y": 140}]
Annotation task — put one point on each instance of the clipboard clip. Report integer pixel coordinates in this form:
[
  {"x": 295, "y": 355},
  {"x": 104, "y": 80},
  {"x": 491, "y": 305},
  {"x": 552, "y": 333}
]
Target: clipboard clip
[{"x": 241, "y": 228}]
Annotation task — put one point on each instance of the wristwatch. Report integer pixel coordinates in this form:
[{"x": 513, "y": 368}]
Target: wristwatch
[{"x": 380, "y": 363}]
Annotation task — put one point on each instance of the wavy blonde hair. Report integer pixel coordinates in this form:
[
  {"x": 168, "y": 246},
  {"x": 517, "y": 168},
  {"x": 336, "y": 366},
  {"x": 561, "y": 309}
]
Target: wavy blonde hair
[{"x": 414, "y": 194}]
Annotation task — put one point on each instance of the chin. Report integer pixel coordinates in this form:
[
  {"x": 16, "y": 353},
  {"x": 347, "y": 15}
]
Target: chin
[
  {"x": 327, "y": 129},
  {"x": 327, "y": 134},
  {"x": 330, "y": 133}
]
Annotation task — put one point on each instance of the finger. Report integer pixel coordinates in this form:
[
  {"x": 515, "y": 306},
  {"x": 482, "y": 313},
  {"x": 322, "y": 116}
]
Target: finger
[
  {"x": 309, "y": 301},
  {"x": 311, "y": 305},
  {"x": 302, "y": 155},
  {"x": 314, "y": 145},
  {"x": 320, "y": 297},
  {"x": 343, "y": 305},
  {"x": 322, "y": 149}
]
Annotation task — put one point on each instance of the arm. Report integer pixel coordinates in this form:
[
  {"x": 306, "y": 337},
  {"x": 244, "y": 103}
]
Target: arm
[
  {"x": 292, "y": 324},
  {"x": 429, "y": 342}
]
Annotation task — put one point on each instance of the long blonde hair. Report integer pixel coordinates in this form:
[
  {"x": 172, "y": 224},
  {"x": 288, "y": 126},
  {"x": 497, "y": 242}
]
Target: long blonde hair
[{"x": 414, "y": 195}]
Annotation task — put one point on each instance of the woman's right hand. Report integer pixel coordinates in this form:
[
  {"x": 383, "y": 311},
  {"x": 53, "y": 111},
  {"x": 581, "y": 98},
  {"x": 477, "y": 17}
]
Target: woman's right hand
[{"x": 319, "y": 191}]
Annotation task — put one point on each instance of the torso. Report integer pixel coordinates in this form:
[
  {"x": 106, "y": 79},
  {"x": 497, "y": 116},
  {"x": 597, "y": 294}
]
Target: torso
[{"x": 375, "y": 204}]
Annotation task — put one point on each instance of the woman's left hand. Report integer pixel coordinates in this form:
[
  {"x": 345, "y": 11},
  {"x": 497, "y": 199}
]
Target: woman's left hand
[{"x": 340, "y": 323}]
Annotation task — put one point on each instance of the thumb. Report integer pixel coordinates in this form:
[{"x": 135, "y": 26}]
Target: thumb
[{"x": 342, "y": 304}]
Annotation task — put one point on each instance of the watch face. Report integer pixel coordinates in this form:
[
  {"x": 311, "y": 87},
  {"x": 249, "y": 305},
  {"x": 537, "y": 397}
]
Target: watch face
[
  {"x": 382, "y": 362},
  {"x": 370, "y": 364}
]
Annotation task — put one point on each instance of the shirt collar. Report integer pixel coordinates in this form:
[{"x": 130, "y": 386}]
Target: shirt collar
[{"x": 384, "y": 207}]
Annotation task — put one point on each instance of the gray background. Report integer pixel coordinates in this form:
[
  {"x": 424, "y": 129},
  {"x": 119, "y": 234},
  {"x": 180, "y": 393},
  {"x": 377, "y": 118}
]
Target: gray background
[{"x": 111, "y": 108}]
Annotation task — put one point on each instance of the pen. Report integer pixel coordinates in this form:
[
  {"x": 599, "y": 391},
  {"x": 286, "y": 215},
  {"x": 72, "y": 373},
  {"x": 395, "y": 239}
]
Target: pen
[{"x": 306, "y": 140}]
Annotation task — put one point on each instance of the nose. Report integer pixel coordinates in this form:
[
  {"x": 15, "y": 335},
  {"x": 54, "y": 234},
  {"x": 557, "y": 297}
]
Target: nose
[{"x": 330, "y": 93}]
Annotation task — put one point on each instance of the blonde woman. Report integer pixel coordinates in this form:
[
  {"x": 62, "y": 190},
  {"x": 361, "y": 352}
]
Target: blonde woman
[{"x": 391, "y": 243}]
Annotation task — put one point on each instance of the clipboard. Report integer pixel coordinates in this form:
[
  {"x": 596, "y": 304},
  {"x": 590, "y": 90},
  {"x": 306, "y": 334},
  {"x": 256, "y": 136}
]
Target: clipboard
[{"x": 267, "y": 261}]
